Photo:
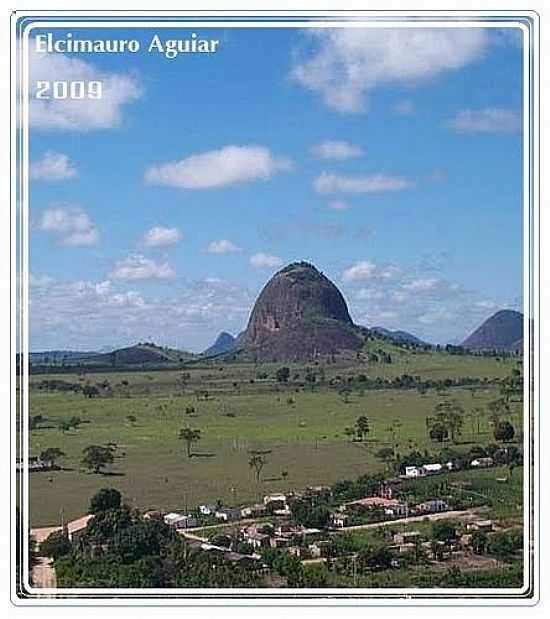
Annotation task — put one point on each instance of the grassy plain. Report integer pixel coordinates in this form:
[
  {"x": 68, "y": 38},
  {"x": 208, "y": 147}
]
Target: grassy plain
[{"x": 302, "y": 427}]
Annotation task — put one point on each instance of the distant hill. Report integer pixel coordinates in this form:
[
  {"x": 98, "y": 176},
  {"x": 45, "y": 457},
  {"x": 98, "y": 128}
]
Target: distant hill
[
  {"x": 225, "y": 342},
  {"x": 145, "y": 353},
  {"x": 503, "y": 331},
  {"x": 299, "y": 314},
  {"x": 399, "y": 336}
]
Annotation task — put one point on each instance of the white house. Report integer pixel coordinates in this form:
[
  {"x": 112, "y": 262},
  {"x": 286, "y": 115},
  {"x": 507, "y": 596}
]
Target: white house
[
  {"x": 180, "y": 521},
  {"x": 207, "y": 510},
  {"x": 433, "y": 469},
  {"x": 415, "y": 471},
  {"x": 274, "y": 498},
  {"x": 482, "y": 463}
]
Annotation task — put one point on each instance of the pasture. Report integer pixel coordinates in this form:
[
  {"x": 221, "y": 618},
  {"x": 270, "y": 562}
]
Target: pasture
[{"x": 238, "y": 407}]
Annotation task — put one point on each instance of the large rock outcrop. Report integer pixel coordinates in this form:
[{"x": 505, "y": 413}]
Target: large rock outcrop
[{"x": 300, "y": 314}]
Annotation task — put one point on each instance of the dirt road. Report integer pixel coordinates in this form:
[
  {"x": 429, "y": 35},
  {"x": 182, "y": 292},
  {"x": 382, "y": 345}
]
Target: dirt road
[{"x": 43, "y": 574}]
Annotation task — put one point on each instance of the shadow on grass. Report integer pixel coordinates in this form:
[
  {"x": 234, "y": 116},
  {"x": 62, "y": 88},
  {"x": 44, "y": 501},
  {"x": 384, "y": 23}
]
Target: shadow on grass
[{"x": 202, "y": 455}]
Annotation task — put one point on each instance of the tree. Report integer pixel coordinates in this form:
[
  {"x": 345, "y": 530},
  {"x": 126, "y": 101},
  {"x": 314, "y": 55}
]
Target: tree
[
  {"x": 282, "y": 374},
  {"x": 362, "y": 426},
  {"x": 504, "y": 431},
  {"x": 51, "y": 455},
  {"x": 443, "y": 532},
  {"x": 257, "y": 462},
  {"x": 56, "y": 545},
  {"x": 97, "y": 457},
  {"x": 189, "y": 436},
  {"x": 132, "y": 419},
  {"x": 106, "y": 498},
  {"x": 438, "y": 432},
  {"x": 65, "y": 425},
  {"x": 90, "y": 391},
  {"x": 479, "y": 542}
]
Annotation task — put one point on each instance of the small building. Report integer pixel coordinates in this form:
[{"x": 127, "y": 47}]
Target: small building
[
  {"x": 319, "y": 549},
  {"x": 77, "y": 527},
  {"x": 391, "y": 507},
  {"x": 406, "y": 537},
  {"x": 415, "y": 471},
  {"x": 339, "y": 520},
  {"x": 207, "y": 510},
  {"x": 228, "y": 514},
  {"x": 433, "y": 469},
  {"x": 482, "y": 463},
  {"x": 254, "y": 511},
  {"x": 480, "y": 525},
  {"x": 275, "y": 498},
  {"x": 432, "y": 507},
  {"x": 181, "y": 521}
]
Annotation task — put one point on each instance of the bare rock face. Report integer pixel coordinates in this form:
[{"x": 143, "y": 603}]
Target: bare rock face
[{"x": 300, "y": 314}]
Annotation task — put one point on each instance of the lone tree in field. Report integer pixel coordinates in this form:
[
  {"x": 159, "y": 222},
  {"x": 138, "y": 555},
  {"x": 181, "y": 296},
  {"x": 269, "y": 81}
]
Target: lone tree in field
[
  {"x": 257, "y": 462},
  {"x": 97, "y": 457},
  {"x": 282, "y": 374},
  {"x": 362, "y": 427},
  {"x": 190, "y": 437},
  {"x": 504, "y": 431},
  {"x": 90, "y": 391},
  {"x": 51, "y": 455}
]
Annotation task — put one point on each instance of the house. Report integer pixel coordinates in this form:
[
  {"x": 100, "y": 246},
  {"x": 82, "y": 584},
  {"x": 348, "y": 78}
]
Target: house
[
  {"x": 180, "y": 521},
  {"x": 406, "y": 537},
  {"x": 433, "y": 469},
  {"x": 339, "y": 520},
  {"x": 319, "y": 549},
  {"x": 228, "y": 513},
  {"x": 207, "y": 510},
  {"x": 254, "y": 511},
  {"x": 275, "y": 498},
  {"x": 480, "y": 525},
  {"x": 415, "y": 471},
  {"x": 482, "y": 463},
  {"x": 391, "y": 507},
  {"x": 257, "y": 539},
  {"x": 432, "y": 507}
]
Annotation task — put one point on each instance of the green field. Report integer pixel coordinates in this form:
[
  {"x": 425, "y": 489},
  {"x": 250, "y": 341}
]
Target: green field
[{"x": 303, "y": 427}]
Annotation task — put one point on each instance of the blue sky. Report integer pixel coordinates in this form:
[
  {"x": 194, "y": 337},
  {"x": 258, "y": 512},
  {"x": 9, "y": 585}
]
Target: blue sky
[{"x": 391, "y": 160}]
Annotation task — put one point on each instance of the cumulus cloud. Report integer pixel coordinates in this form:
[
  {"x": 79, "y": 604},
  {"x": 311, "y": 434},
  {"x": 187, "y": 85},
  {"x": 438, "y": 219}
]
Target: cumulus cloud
[
  {"x": 52, "y": 167},
  {"x": 327, "y": 182},
  {"x": 159, "y": 236},
  {"x": 430, "y": 284},
  {"x": 222, "y": 247},
  {"x": 343, "y": 65},
  {"x": 84, "y": 114},
  {"x": 486, "y": 120},
  {"x": 404, "y": 108},
  {"x": 89, "y": 315},
  {"x": 262, "y": 260},
  {"x": 336, "y": 149},
  {"x": 71, "y": 225},
  {"x": 226, "y": 166},
  {"x": 364, "y": 270},
  {"x": 137, "y": 267}
]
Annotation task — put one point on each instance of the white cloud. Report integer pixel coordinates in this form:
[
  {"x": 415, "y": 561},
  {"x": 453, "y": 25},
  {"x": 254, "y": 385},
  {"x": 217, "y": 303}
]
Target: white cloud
[
  {"x": 229, "y": 165},
  {"x": 439, "y": 315},
  {"x": 139, "y": 267},
  {"x": 88, "y": 315},
  {"x": 52, "y": 167},
  {"x": 336, "y": 149},
  {"x": 158, "y": 236},
  {"x": 222, "y": 247},
  {"x": 422, "y": 284},
  {"x": 71, "y": 225},
  {"x": 364, "y": 270},
  {"x": 339, "y": 205},
  {"x": 369, "y": 294},
  {"x": 404, "y": 108},
  {"x": 79, "y": 114},
  {"x": 487, "y": 120},
  {"x": 327, "y": 182},
  {"x": 263, "y": 261},
  {"x": 345, "y": 64}
]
